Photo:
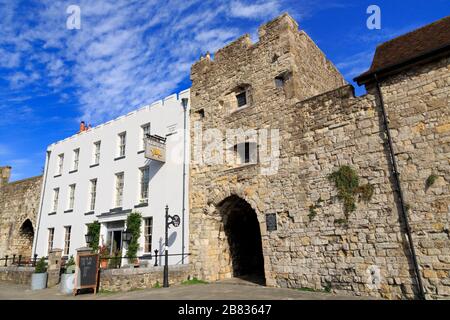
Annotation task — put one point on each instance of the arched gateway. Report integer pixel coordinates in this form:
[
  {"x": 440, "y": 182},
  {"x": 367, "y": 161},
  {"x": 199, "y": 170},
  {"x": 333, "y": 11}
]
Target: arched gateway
[{"x": 243, "y": 236}]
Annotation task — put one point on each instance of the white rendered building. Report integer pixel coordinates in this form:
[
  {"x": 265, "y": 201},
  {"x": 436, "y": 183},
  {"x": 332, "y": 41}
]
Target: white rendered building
[{"x": 102, "y": 174}]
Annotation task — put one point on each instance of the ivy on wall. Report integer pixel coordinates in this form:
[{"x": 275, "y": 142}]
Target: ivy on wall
[
  {"x": 134, "y": 221},
  {"x": 346, "y": 182},
  {"x": 94, "y": 230}
]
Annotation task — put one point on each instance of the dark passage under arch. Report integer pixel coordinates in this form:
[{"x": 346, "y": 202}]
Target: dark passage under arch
[{"x": 243, "y": 233}]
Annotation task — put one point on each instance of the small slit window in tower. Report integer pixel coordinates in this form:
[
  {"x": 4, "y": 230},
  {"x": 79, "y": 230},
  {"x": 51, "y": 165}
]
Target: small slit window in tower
[{"x": 241, "y": 99}]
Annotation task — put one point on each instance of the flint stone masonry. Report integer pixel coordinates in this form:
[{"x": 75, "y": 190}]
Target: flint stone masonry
[
  {"x": 19, "y": 202},
  {"x": 127, "y": 279},
  {"x": 324, "y": 126}
]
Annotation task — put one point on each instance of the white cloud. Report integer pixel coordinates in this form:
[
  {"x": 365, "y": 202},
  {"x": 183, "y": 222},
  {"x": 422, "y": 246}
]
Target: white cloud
[
  {"x": 254, "y": 10},
  {"x": 126, "y": 54}
]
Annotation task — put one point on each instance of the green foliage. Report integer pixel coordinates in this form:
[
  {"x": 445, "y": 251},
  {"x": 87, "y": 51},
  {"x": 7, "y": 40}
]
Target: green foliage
[
  {"x": 193, "y": 281},
  {"x": 365, "y": 192},
  {"x": 327, "y": 288},
  {"x": 430, "y": 180},
  {"x": 103, "y": 251},
  {"x": 134, "y": 221},
  {"x": 94, "y": 230},
  {"x": 115, "y": 261},
  {"x": 70, "y": 262},
  {"x": 312, "y": 212},
  {"x": 41, "y": 266},
  {"x": 346, "y": 182},
  {"x": 341, "y": 221},
  {"x": 104, "y": 291},
  {"x": 157, "y": 285},
  {"x": 70, "y": 265}
]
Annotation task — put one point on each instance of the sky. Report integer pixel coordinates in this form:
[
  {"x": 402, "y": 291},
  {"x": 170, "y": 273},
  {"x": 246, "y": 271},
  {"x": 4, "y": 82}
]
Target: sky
[{"x": 128, "y": 54}]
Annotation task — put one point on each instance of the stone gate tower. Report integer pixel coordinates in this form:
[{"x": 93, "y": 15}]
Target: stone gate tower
[{"x": 248, "y": 86}]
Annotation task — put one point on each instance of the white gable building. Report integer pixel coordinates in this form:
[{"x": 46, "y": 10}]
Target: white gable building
[{"x": 102, "y": 174}]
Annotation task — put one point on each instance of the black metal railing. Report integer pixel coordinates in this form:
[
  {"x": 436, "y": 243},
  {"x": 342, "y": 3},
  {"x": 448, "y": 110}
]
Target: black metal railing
[
  {"x": 19, "y": 260},
  {"x": 113, "y": 262},
  {"x": 116, "y": 262}
]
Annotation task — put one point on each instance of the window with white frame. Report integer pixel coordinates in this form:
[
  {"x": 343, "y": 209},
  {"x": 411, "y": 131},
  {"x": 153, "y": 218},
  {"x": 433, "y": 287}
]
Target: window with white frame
[
  {"x": 76, "y": 159},
  {"x": 122, "y": 143},
  {"x": 60, "y": 164},
  {"x": 51, "y": 235},
  {"x": 145, "y": 178},
  {"x": 148, "y": 230},
  {"x": 71, "y": 196},
  {"x": 119, "y": 189},
  {"x": 145, "y": 132},
  {"x": 93, "y": 194},
  {"x": 55, "y": 199},
  {"x": 97, "y": 152},
  {"x": 68, "y": 230}
]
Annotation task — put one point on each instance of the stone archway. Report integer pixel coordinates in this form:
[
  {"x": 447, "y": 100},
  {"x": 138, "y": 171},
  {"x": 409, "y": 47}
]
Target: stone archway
[
  {"x": 243, "y": 236},
  {"x": 23, "y": 242}
]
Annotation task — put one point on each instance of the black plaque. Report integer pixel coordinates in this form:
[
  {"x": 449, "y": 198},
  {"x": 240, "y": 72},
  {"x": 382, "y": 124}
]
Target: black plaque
[{"x": 271, "y": 221}]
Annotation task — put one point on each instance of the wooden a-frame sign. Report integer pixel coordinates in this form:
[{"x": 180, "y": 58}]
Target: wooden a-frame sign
[{"x": 86, "y": 274}]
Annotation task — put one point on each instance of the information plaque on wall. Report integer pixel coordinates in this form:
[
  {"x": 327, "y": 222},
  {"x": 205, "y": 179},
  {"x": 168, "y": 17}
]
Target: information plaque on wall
[
  {"x": 271, "y": 221},
  {"x": 155, "y": 148}
]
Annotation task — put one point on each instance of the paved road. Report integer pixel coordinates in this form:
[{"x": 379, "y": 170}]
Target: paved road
[{"x": 215, "y": 291}]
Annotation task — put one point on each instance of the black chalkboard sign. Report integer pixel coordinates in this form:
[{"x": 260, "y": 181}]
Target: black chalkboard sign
[{"x": 87, "y": 272}]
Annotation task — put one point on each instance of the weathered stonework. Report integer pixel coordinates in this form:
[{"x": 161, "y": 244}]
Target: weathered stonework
[
  {"x": 127, "y": 279},
  {"x": 17, "y": 275},
  {"x": 323, "y": 126},
  {"x": 19, "y": 203}
]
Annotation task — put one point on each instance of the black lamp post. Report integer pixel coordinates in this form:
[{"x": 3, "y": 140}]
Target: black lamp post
[{"x": 175, "y": 221}]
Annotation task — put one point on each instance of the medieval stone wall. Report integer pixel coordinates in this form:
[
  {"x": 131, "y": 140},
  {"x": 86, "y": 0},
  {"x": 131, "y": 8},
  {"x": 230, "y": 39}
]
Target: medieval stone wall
[
  {"x": 316, "y": 245},
  {"x": 418, "y": 106},
  {"x": 19, "y": 202}
]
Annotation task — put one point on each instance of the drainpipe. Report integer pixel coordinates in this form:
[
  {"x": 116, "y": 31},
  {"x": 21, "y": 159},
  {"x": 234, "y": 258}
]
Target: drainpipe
[
  {"x": 400, "y": 192},
  {"x": 184, "y": 102},
  {"x": 42, "y": 201}
]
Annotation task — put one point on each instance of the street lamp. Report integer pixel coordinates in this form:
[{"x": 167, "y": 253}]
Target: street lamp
[
  {"x": 126, "y": 236},
  {"x": 175, "y": 221},
  {"x": 89, "y": 238}
]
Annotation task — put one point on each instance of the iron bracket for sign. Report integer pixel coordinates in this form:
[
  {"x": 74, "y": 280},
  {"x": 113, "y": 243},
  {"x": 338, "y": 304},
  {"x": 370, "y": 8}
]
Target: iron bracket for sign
[{"x": 157, "y": 138}]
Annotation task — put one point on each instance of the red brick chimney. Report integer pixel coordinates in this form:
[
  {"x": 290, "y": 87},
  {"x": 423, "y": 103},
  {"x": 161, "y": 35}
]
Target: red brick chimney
[{"x": 82, "y": 126}]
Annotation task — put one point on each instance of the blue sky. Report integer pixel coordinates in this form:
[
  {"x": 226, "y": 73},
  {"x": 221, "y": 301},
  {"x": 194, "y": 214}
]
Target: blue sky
[{"x": 130, "y": 53}]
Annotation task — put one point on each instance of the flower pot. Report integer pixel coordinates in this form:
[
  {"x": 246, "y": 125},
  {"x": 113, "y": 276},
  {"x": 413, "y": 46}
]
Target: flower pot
[
  {"x": 67, "y": 283},
  {"x": 38, "y": 281},
  {"x": 104, "y": 263}
]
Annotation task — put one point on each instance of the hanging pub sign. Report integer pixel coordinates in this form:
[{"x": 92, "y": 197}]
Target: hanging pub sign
[{"x": 155, "y": 148}]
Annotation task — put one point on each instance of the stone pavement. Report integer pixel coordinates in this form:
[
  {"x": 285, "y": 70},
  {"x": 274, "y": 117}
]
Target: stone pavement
[{"x": 226, "y": 290}]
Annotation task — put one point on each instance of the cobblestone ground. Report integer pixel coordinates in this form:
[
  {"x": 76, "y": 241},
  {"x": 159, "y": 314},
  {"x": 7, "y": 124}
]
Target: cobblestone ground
[{"x": 227, "y": 290}]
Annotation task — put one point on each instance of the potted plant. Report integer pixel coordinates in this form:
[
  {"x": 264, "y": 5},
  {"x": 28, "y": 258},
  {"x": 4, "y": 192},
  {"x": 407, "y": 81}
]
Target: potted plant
[
  {"x": 104, "y": 253},
  {"x": 67, "y": 278},
  {"x": 39, "y": 277}
]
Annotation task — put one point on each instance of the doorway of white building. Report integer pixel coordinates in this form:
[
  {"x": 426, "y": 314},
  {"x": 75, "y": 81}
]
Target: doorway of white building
[{"x": 114, "y": 237}]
